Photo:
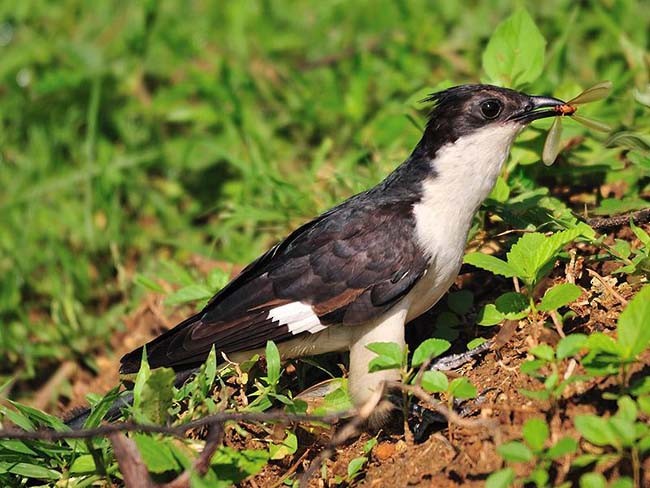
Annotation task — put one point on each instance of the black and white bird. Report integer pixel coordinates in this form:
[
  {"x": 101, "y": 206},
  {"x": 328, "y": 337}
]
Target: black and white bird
[{"x": 359, "y": 272}]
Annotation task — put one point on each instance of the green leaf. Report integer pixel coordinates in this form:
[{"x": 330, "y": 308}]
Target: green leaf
[
  {"x": 83, "y": 464},
  {"x": 210, "y": 372},
  {"x": 596, "y": 430},
  {"x": 551, "y": 380},
  {"x": 489, "y": 315},
  {"x": 624, "y": 430},
  {"x": 627, "y": 409},
  {"x": 490, "y": 263},
  {"x": 644, "y": 404},
  {"x": 474, "y": 343},
  {"x": 633, "y": 329},
  {"x": 535, "y": 432},
  {"x": 603, "y": 343},
  {"x": 533, "y": 251},
  {"x": 286, "y": 448},
  {"x": 543, "y": 351},
  {"x": 16, "y": 418},
  {"x": 539, "y": 476},
  {"x": 462, "y": 388},
  {"x": 189, "y": 293},
  {"x": 140, "y": 380},
  {"x": 622, "y": 482},
  {"x": 217, "y": 279},
  {"x": 514, "y": 55},
  {"x": 593, "y": 480},
  {"x": 641, "y": 234},
  {"x": 512, "y": 305},
  {"x": 157, "y": 396},
  {"x": 33, "y": 471},
  {"x": 585, "y": 460},
  {"x": 563, "y": 447},
  {"x": 101, "y": 408},
  {"x": 337, "y": 400},
  {"x": 389, "y": 356},
  {"x": 272, "y": 363},
  {"x": 559, "y": 296},
  {"x": 622, "y": 248},
  {"x": 500, "y": 479},
  {"x": 434, "y": 381},
  {"x": 644, "y": 444},
  {"x": 535, "y": 395},
  {"x": 429, "y": 349},
  {"x": 531, "y": 367},
  {"x": 515, "y": 451},
  {"x": 40, "y": 417},
  {"x": 501, "y": 191},
  {"x": 570, "y": 345},
  {"x": 232, "y": 465},
  {"x": 148, "y": 283},
  {"x": 460, "y": 301},
  {"x": 369, "y": 445},
  {"x": 156, "y": 453},
  {"x": 354, "y": 466}
]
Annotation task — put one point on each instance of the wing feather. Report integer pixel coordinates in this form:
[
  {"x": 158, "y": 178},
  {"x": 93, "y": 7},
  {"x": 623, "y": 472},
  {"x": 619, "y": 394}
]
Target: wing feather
[{"x": 348, "y": 266}]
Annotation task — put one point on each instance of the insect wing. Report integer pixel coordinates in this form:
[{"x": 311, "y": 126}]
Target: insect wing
[
  {"x": 596, "y": 92},
  {"x": 591, "y": 123},
  {"x": 552, "y": 144}
]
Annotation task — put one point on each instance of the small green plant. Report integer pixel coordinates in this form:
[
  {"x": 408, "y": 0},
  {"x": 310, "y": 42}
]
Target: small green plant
[
  {"x": 356, "y": 465},
  {"x": 392, "y": 356},
  {"x": 635, "y": 261},
  {"x": 621, "y": 437},
  {"x": 532, "y": 449},
  {"x": 615, "y": 356},
  {"x": 530, "y": 259},
  {"x": 189, "y": 288},
  {"x": 549, "y": 366}
]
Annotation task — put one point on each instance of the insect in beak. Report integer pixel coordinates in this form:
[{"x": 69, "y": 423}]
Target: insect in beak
[{"x": 552, "y": 144}]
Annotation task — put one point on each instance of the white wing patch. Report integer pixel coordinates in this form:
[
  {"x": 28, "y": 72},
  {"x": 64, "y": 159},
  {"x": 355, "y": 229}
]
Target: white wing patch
[{"x": 298, "y": 317}]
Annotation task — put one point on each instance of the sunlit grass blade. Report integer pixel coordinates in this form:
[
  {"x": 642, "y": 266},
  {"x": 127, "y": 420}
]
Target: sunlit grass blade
[
  {"x": 552, "y": 143},
  {"x": 591, "y": 123},
  {"x": 596, "y": 92}
]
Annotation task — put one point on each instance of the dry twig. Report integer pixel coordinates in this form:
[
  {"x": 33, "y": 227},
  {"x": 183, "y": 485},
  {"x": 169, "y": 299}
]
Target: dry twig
[{"x": 607, "y": 223}]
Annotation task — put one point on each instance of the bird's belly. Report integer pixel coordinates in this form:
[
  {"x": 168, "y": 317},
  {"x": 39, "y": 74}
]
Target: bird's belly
[{"x": 433, "y": 285}]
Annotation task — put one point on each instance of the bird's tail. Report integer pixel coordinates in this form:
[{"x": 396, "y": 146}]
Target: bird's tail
[{"x": 77, "y": 418}]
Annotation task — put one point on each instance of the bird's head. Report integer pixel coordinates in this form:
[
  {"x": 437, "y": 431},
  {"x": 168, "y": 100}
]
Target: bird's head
[{"x": 467, "y": 110}]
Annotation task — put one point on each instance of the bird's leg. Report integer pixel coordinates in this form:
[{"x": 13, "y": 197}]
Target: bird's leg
[
  {"x": 455, "y": 361},
  {"x": 361, "y": 383},
  {"x": 423, "y": 421}
]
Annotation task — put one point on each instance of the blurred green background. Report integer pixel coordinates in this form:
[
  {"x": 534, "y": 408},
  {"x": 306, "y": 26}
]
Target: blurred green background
[{"x": 136, "y": 135}]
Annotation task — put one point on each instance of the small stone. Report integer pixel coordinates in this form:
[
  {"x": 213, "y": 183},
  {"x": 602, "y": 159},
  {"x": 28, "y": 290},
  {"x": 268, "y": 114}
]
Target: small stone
[{"x": 384, "y": 451}]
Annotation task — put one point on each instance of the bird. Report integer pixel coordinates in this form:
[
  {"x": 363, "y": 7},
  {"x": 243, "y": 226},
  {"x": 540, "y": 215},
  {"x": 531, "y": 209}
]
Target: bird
[{"x": 359, "y": 272}]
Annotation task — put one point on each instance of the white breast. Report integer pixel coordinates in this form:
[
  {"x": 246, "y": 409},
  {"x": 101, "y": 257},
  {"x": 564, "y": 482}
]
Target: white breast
[{"x": 465, "y": 173}]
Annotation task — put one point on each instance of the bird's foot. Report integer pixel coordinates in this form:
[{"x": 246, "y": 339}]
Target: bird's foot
[{"x": 422, "y": 420}]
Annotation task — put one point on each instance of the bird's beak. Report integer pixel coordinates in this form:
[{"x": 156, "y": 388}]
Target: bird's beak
[{"x": 535, "y": 109}]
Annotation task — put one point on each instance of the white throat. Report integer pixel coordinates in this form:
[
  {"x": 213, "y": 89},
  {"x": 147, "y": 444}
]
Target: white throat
[{"x": 465, "y": 173}]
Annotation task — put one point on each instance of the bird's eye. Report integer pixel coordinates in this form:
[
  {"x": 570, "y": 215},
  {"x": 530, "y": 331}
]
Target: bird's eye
[{"x": 491, "y": 109}]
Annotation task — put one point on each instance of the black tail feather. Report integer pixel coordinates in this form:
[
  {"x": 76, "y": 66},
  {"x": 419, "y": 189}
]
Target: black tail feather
[{"x": 78, "y": 417}]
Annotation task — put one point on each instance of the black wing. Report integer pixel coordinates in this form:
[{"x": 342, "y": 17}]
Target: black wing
[{"x": 348, "y": 266}]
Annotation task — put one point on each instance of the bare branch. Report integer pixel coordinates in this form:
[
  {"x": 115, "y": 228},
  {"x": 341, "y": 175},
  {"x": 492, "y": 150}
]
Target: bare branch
[
  {"x": 176, "y": 431},
  {"x": 608, "y": 223},
  {"x": 132, "y": 467},
  {"x": 202, "y": 463}
]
